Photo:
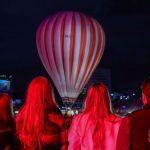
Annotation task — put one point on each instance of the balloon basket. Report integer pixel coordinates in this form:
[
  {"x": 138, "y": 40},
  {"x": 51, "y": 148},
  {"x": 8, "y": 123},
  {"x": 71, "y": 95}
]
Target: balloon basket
[{"x": 68, "y": 102}]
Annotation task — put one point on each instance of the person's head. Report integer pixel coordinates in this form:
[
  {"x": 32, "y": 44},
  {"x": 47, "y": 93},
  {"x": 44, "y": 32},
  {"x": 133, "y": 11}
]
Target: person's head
[
  {"x": 30, "y": 119},
  {"x": 6, "y": 114},
  {"x": 98, "y": 100},
  {"x": 146, "y": 90},
  {"x": 40, "y": 94}
]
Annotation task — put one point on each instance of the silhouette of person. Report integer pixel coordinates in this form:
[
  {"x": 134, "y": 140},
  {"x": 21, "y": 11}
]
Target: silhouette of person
[{"x": 133, "y": 132}]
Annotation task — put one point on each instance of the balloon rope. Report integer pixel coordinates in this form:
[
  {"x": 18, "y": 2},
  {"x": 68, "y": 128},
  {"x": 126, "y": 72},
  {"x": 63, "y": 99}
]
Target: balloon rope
[{"x": 68, "y": 102}]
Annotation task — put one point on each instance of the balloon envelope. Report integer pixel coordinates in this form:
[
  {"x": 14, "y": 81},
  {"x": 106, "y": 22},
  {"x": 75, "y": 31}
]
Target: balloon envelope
[{"x": 70, "y": 45}]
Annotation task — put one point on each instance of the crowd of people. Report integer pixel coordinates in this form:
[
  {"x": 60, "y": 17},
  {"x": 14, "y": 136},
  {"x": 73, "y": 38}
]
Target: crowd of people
[{"x": 40, "y": 125}]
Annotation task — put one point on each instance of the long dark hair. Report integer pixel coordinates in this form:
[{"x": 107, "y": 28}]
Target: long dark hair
[
  {"x": 30, "y": 119},
  {"x": 97, "y": 106},
  {"x": 6, "y": 112}
]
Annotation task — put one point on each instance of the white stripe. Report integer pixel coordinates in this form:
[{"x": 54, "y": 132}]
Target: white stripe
[
  {"x": 58, "y": 54},
  {"x": 76, "y": 53},
  {"x": 67, "y": 37}
]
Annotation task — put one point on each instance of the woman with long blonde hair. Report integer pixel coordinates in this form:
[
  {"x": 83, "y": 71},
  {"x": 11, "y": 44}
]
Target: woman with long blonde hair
[
  {"x": 39, "y": 123},
  {"x": 96, "y": 128}
]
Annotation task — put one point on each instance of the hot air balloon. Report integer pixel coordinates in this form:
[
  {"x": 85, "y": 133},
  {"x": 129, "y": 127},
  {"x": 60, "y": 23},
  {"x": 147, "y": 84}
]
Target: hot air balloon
[{"x": 70, "y": 45}]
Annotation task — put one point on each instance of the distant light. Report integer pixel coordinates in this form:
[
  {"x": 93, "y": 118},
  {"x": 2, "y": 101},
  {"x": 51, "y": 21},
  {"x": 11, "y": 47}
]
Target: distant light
[
  {"x": 3, "y": 76},
  {"x": 76, "y": 112},
  {"x": 133, "y": 94},
  {"x": 4, "y": 85},
  {"x": 16, "y": 112},
  {"x": 111, "y": 94},
  {"x": 10, "y": 76},
  {"x": 123, "y": 106}
]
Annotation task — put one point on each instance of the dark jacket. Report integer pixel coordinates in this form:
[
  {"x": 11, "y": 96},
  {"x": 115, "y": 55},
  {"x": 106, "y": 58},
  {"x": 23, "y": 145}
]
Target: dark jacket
[
  {"x": 55, "y": 137},
  {"x": 7, "y": 133},
  {"x": 139, "y": 125},
  {"x": 133, "y": 131}
]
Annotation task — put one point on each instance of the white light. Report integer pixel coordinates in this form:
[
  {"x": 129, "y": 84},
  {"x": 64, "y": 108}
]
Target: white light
[{"x": 16, "y": 112}]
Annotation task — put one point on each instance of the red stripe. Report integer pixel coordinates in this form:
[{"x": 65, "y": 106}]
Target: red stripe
[
  {"x": 101, "y": 39},
  {"x": 52, "y": 42},
  {"x": 82, "y": 45},
  {"x": 45, "y": 47},
  {"x": 39, "y": 39}
]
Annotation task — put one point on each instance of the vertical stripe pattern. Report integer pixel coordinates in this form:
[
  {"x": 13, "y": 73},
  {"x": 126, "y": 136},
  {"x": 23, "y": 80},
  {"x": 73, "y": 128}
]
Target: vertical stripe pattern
[{"x": 70, "y": 45}]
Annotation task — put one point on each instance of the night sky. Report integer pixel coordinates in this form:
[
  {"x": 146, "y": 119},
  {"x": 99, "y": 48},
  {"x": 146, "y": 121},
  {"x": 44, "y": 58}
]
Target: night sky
[{"x": 126, "y": 24}]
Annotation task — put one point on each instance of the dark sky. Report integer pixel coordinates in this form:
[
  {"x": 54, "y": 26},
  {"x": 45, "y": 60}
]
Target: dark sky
[{"x": 126, "y": 24}]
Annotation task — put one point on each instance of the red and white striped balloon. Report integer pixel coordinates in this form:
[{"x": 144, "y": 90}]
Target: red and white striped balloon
[{"x": 70, "y": 45}]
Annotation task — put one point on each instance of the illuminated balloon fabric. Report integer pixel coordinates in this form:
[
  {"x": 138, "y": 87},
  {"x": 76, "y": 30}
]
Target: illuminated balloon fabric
[{"x": 70, "y": 45}]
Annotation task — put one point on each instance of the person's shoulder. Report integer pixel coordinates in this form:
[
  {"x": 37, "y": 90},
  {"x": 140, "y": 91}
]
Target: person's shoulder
[
  {"x": 8, "y": 125},
  {"x": 77, "y": 120},
  {"x": 77, "y": 117},
  {"x": 81, "y": 117},
  {"x": 115, "y": 118},
  {"x": 138, "y": 111}
]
